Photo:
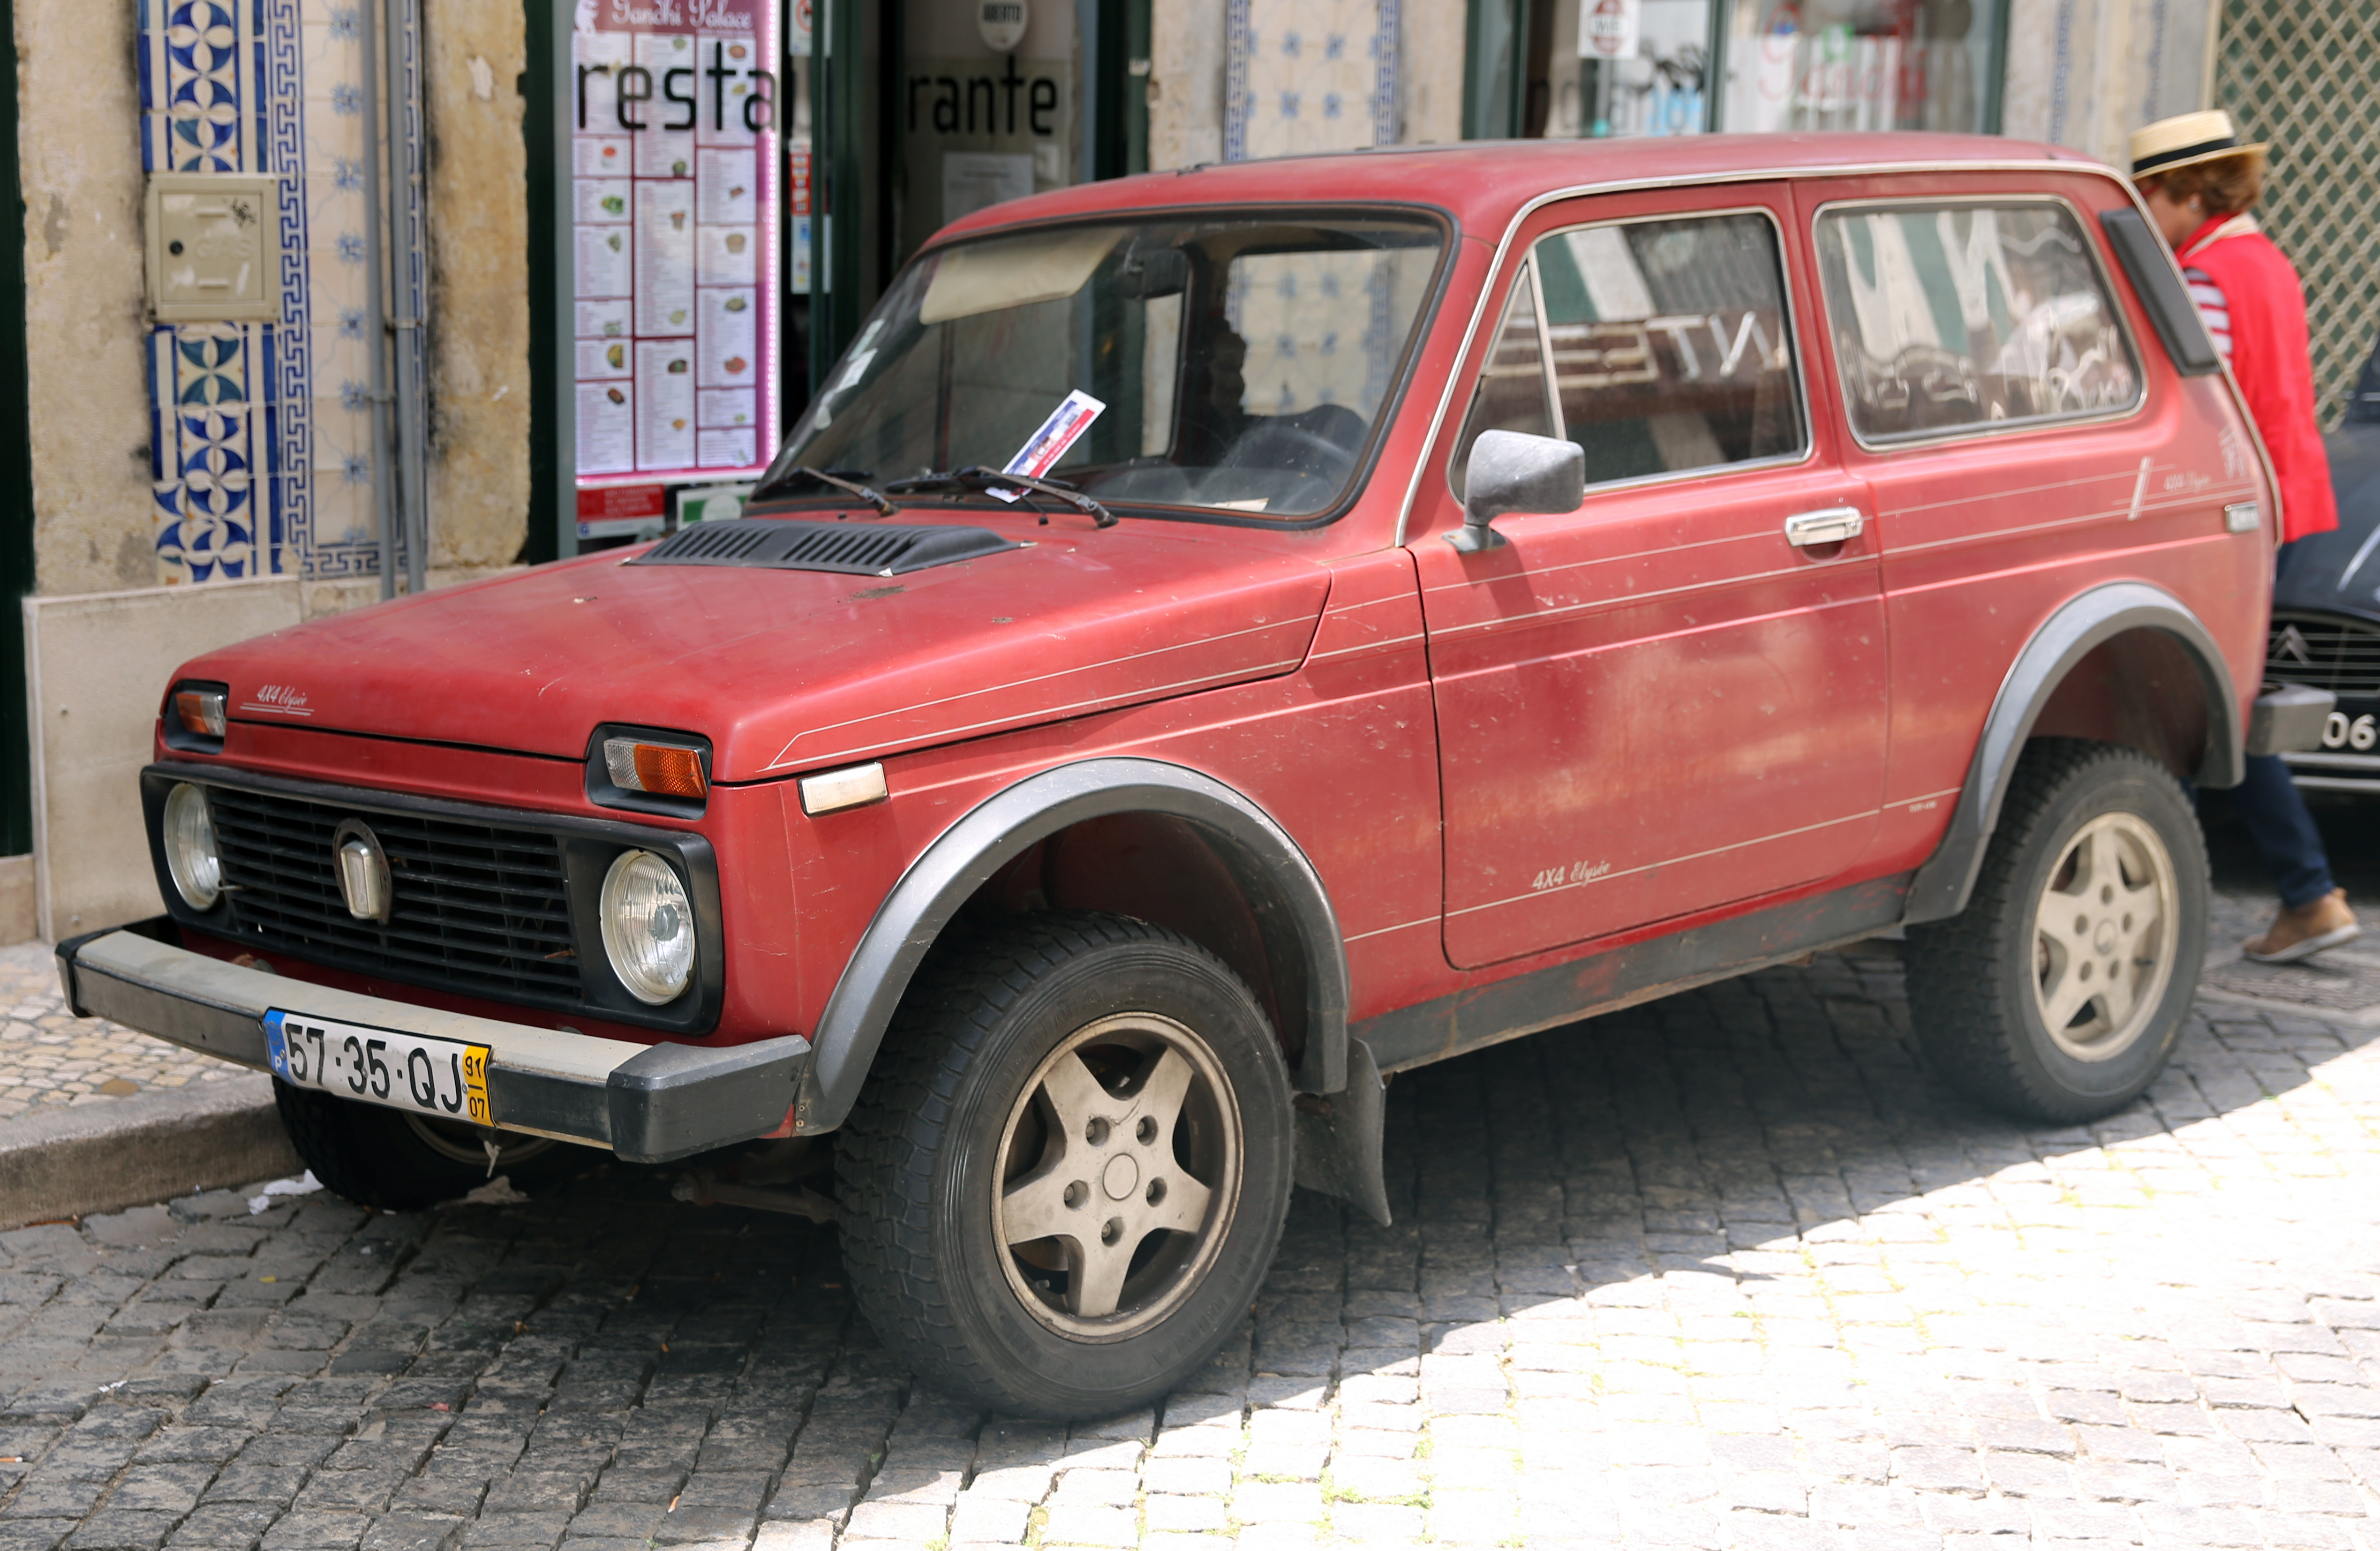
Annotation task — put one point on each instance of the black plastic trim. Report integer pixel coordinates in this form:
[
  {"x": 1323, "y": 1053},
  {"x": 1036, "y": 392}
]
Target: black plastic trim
[
  {"x": 1941, "y": 887},
  {"x": 2150, "y": 266},
  {"x": 1562, "y": 993},
  {"x": 673, "y": 1101},
  {"x": 589, "y": 846},
  {"x": 604, "y": 792},
  {"x": 1293, "y": 913}
]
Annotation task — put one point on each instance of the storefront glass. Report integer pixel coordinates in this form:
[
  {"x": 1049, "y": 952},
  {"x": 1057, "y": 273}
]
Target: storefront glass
[
  {"x": 1855, "y": 65},
  {"x": 1566, "y": 69}
]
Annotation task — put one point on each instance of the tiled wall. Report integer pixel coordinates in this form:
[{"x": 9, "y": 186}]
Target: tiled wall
[
  {"x": 1309, "y": 75},
  {"x": 261, "y": 451},
  {"x": 1306, "y": 76}
]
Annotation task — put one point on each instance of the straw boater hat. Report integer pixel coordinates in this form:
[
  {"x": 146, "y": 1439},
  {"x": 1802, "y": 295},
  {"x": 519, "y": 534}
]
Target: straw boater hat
[{"x": 2185, "y": 140}]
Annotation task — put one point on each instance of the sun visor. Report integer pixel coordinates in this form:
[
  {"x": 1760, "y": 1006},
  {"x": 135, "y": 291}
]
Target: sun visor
[{"x": 1014, "y": 272}]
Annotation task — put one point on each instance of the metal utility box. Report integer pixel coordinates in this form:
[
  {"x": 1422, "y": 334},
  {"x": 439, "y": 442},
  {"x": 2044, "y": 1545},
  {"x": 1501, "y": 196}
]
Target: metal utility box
[{"x": 214, "y": 248}]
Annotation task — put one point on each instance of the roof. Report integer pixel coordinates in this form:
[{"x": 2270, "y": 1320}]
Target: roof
[{"x": 1483, "y": 182}]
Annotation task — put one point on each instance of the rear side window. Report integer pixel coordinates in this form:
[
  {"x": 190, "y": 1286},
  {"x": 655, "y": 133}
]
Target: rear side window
[
  {"x": 1946, "y": 317},
  {"x": 1670, "y": 348}
]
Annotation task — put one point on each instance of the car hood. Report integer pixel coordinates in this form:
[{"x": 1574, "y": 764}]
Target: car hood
[
  {"x": 787, "y": 670},
  {"x": 2338, "y": 572}
]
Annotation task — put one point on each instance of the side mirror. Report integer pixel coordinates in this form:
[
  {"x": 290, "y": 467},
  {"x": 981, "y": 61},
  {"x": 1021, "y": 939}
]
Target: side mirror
[{"x": 1513, "y": 471}]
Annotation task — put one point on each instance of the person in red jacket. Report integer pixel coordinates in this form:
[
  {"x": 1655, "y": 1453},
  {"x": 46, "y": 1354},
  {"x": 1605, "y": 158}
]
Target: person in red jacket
[{"x": 2200, "y": 183}]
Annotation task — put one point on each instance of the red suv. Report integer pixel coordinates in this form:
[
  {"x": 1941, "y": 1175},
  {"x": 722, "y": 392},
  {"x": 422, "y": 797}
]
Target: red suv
[{"x": 1221, "y": 638}]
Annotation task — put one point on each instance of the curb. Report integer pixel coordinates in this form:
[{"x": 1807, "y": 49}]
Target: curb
[{"x": 102, "y": 1158}]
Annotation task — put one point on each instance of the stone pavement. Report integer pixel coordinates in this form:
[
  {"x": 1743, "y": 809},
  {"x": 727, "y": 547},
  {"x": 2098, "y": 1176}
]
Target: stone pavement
[
  {"x": 1726, "y": 1271},
  {"x": 48, "y": 1057}
]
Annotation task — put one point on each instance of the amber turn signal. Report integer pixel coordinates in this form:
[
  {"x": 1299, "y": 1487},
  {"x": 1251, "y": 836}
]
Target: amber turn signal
[
  {"x": 201, "y": 710},
  {"x": 663, "y": 769}
]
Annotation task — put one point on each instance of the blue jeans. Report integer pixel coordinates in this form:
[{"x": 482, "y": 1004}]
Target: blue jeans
[
  {"x": 2269, "y": 805},
  {"x": 2275, "y": 817}
]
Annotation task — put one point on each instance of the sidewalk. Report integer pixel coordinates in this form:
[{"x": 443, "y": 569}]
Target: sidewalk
[
  {"x": 94, "y": 1116},
  {"x": 48, "y": 1057}
]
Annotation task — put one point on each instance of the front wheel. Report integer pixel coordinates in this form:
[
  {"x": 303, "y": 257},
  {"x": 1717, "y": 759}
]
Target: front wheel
[
  {"x": 2058, "y": 993},
  {"x": 1064, "y": 1184}
]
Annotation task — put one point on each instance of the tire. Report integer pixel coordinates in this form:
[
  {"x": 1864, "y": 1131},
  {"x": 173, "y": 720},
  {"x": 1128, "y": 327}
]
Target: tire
[
  {"x": 1165, "y": 1185},
  {"x": 2058, "y": 993},
  {"x": 379, "y": 1157}
]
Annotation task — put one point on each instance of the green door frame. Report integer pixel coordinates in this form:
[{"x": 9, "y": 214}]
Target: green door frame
[{"x": 16, "y": 472}]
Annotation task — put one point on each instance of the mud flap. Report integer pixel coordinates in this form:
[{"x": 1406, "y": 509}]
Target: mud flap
[{"x": 1339, "y": 1137}]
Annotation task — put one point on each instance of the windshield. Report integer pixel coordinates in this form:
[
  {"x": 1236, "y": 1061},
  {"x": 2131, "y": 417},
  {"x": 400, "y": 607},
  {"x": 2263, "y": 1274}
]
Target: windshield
[{"x": 1238, "y": 362}]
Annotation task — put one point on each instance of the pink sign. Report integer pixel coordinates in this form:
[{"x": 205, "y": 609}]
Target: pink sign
[{"x": 676, "y": 202}]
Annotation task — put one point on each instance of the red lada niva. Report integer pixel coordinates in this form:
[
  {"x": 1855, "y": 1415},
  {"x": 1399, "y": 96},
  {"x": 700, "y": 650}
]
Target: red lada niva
[{"x": 1221, "y": 638}]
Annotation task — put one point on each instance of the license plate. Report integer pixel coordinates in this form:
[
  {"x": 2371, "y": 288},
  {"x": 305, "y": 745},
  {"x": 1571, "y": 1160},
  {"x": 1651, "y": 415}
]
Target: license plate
[{"x": 444, "y": 1077}]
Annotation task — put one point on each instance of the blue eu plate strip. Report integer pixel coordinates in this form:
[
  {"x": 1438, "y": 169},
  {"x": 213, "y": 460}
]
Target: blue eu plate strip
[{"x": 276, "y": 1046}]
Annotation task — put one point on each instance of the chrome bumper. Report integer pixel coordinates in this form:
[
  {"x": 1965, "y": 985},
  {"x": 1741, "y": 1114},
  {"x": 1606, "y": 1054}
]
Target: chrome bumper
[
  {"x": 648, "y": 1103},
  {"x": 2322, "y": 770}
]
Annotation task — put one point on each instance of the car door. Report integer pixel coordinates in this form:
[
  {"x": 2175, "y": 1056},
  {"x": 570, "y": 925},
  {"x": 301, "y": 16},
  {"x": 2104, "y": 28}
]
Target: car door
[{"x": 1673, "y": 697}]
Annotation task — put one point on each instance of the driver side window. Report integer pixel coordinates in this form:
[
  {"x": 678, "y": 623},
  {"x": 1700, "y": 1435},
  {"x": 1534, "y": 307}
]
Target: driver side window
[{"x": 1658, "y": 347}]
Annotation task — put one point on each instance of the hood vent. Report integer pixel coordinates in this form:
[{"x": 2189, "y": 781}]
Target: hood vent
[{"x": 868, "y": 548}]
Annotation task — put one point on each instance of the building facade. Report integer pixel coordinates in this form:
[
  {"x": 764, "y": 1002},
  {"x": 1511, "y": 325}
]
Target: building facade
[{"x": 527, "y": 276}]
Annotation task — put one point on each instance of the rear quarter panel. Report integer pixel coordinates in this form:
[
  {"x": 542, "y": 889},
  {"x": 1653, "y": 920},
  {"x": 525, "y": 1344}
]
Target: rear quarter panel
[{"x": 1986, "y": 534}]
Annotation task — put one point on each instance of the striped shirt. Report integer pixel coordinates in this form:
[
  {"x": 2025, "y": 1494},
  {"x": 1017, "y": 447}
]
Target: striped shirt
[{"x": 2212, "y": 307}]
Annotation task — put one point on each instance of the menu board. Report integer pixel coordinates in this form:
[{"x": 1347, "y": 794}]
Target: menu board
[{"x": 675, "y": 239}]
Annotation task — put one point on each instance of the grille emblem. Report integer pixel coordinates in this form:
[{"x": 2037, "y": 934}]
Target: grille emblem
[
  {"x": 362, "y": 868},
  {"x": 2292, "y": 646}
]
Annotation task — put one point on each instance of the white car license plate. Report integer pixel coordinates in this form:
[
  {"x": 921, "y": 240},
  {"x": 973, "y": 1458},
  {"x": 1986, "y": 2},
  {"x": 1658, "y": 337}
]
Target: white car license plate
[{"x": 444, "y": 1077}]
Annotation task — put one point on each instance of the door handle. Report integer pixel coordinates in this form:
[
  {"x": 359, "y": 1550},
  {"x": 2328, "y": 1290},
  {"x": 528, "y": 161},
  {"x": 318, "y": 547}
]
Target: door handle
[{"x": 1831, "y": 524}]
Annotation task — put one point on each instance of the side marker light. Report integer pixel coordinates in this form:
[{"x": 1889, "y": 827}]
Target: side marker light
[{"x": 858, "y": 786}]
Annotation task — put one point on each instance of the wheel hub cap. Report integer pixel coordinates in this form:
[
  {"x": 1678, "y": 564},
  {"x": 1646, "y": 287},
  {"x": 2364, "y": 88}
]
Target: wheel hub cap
[
  {"x": 2106, "y": 930},
  {"x": 1120, "y": 1176}
]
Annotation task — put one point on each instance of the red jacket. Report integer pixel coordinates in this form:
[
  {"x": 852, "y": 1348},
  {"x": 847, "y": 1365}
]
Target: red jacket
[{"x": 2255, "y": 308}]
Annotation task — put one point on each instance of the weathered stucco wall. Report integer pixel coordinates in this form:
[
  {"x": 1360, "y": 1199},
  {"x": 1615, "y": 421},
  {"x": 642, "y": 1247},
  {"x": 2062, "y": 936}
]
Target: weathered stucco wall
[
  {"x": 79, "y": 158},
  {"x": 1429, "y": 74},
  {"x": 2087, "y": 73},
  {"x": 479, "y": 288},
  {"x": 1185, "y": 83}
]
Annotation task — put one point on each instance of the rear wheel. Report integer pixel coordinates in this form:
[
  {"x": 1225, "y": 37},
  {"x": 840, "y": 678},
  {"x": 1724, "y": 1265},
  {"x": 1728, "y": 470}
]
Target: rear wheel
[
  {"x": 2059, "y": 992},
  {"x": 378, "y": 1156},
  {"x": 1064, "y": 1184}
]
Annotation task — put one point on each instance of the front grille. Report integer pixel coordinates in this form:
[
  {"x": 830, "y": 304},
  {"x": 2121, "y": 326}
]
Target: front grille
[
  {"x": 2325, "y": 652},
  {"x": 474, "y": 907}
]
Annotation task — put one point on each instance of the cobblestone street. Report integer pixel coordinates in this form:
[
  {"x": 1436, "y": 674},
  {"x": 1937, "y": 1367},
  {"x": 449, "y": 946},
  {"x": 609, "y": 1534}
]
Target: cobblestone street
[{"x": 1727, "y": 1271}]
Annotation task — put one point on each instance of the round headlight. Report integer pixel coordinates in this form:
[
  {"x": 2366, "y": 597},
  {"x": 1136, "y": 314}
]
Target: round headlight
[
  {"x": 191, "y": 853},
  {"x": 647, "y": 927}
]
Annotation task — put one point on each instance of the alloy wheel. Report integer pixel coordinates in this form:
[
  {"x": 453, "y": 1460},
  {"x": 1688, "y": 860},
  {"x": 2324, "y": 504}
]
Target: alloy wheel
[
  {"x": 2104, "y": 934},
  {"x": 1120, "y": 1177}
]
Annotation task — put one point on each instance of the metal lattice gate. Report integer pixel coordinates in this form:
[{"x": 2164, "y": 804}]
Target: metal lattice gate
[{"x": 2305, "y": 75}]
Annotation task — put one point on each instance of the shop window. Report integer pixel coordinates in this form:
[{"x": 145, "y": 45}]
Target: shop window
[
  {"x": 1946, "y": 317},
  {"x": 1566, "y": 69},
  {"x": 1799, "y": 64}
]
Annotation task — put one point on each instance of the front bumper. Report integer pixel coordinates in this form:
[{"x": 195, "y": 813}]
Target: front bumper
[
  {"x": 648, "y": 1103},
  {"x": 2327, "y": 771}
]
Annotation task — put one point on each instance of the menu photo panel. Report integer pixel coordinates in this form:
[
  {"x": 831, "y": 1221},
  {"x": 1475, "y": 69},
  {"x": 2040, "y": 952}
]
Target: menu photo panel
[{"x": 675, "y": 210}]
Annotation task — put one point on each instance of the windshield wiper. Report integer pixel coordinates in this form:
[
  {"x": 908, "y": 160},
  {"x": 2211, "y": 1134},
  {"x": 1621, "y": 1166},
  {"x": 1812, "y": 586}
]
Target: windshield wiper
[
  {"x": 800, "y": 471},
  {"x": 976, "y": 476}
]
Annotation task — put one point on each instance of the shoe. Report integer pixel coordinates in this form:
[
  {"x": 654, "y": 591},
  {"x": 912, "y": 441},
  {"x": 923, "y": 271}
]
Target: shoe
[{"x": 2307, "y": 930}]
